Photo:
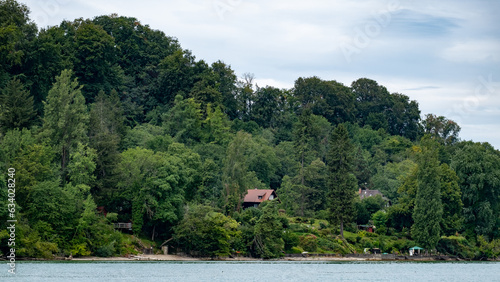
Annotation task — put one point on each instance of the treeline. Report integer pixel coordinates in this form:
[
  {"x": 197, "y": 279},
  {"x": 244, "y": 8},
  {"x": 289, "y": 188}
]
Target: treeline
[{"x": 107, "y": 120}]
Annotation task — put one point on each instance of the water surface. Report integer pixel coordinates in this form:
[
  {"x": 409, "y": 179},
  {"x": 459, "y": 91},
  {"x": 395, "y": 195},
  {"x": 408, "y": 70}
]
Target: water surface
[{"x": 253, "y": 271}]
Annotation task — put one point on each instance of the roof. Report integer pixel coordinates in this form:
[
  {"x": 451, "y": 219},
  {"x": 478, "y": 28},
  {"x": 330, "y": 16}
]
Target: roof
[
  {"x": 370, "y": 193},
  {"x": 258, "y": 195},
  {"x": 416, "y": 248}
]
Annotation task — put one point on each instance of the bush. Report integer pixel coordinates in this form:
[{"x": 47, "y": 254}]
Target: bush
[
  {"x": 309, "y": 243},
  {"x": 296, "y": 250},
  {"x": 291, "y": 240},
  {"x": 107, "y": 250},
  {"x": 455, "y": 245},
  {"x": 351, "y": 237}
]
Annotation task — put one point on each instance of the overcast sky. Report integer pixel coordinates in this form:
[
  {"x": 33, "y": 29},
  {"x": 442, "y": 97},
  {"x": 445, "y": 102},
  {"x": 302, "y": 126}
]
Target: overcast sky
[{"x": 444, "y": 54}]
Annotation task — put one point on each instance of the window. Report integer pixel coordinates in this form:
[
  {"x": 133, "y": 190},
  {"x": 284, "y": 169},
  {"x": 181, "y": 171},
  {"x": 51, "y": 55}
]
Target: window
[
  {"x": 260, "y": 197},
  {"x": 271, "y": 197}
]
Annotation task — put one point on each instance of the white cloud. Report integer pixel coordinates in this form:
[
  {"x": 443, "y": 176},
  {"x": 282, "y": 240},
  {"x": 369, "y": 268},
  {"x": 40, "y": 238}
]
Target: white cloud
[{"x": 473, "y": 51}]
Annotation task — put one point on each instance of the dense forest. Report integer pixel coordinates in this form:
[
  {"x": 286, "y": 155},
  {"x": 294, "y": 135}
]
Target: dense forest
[{"x": 107, "y": 120}]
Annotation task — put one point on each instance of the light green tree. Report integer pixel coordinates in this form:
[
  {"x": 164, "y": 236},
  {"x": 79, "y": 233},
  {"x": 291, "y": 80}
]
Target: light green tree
[{"x": 66, "y": 117}]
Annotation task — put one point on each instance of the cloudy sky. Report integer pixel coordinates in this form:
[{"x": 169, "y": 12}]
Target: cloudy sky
[{"x": 444, "y": 54}]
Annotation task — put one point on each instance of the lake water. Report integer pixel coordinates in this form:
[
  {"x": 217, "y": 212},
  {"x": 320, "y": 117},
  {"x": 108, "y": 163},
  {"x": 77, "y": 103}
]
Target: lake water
[{"x": 253, "y": 271}]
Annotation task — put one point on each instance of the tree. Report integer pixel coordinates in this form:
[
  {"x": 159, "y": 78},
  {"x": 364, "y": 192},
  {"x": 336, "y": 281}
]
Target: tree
[
  {"x": 331, "y": 99},
  {"x": 95, "y": 58},
  {"x": 404, "y": 117},
  {"x": 441, "y": 128},
  {"x": 225, "y": 79},
  {"x": 372, "y": 103},
  {"x": 205, "y": 232},
  {"x": 183, "y": 121},
  {"x": 16, "y": 33},
  {"x": 16, "y": 106},
  {"x": 236, "y": 176},
  {"x": 151, "y": 189},
  {"x": 341, "y": 181},
  {"x": 176, "y": 76},
  {"x": 428, "y": 212},
  {"x": 106, "y": 129},
  {"x": 268, "y": 240},
  {"x": 66, "y": 117},
  {"x": 451, "y": 197},
  {"x": 478, "y": 168}
]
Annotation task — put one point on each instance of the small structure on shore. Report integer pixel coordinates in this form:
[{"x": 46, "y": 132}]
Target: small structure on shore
[{"x": 415, "y": 250}]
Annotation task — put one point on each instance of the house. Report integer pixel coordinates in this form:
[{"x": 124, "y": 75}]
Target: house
[
  {"x": 256, "y": 196},
  {"x": 371, "y": 193}
]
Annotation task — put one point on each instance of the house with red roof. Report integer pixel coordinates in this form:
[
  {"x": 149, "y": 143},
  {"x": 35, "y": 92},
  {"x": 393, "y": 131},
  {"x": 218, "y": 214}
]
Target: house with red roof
[{"x": 254, "y": 197}]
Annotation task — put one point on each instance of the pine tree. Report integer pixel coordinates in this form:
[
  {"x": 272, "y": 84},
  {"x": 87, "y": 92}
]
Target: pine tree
[
  {"x": 341, "y": 180},
  {"x": 16, "y": 106}
]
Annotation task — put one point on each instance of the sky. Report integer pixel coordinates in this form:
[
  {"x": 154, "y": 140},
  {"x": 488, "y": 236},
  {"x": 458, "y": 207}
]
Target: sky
[{"x": 444, "y": 54}]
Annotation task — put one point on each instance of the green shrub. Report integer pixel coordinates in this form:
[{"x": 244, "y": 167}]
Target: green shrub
[
  {"x": 296, "y": 250},
  {"x": 309, "y": 242},
  {"x": 107, "y": 250}
]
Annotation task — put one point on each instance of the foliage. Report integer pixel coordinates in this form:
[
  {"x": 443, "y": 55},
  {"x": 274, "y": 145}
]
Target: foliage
[
  {"x": 109, "y": 116},
  {"x": 205, "y": 232},
  {"x": 16, "y": 106},
  {"x": 428, "y": 212},
  {"x": 341, "y": 182}
]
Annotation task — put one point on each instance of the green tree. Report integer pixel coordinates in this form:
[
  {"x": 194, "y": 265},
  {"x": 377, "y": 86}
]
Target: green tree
[
  {"x": 428, "y": 212},
  {"x": 184, "y": 120},
  {"x": 151, "y": 189},
  {"x": 268, "y": 241},
  {"x": 17, "y": 30},
  {"x": 236, "y": 176},
  {"x": 106, "y": 129},
  {"x": 205, "y": 232},
  {"x": 478, "y": 167},
  {"x": 330, "y": 99},
  {"x": 372, "y": 102},
  {"x": 341, "y": 181},
  {"x": 16, "y": 106},
  {"x": 441, "y": 128},
  {"x": 95, "y": 61},
  {"x": 451, "y": 197},
  {"x": 66, "y": 117}
]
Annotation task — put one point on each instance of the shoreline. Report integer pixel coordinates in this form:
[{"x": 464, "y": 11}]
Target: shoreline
[{"x": 309, "y": 258}]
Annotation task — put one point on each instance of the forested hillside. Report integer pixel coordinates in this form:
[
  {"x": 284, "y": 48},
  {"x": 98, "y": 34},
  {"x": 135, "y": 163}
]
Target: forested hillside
[{"x": 108, "y": 120}]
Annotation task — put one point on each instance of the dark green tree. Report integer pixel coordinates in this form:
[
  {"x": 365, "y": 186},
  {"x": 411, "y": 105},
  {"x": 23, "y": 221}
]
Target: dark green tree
[
  {"x": 342, "y": 183},
  {"x": 106, "y": 129},
  {"x": 428, "y": 212},
  {"x": 268, "y": 241},
  {"x": 16, "y": 106},
  {"x": 17, "y": 31},
  {"x": 441, "y": 128},
  {"x": 478, "y": 167}
]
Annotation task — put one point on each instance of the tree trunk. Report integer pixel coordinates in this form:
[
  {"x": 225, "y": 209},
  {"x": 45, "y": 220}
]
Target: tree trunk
[{"x": 342, "y": 228}]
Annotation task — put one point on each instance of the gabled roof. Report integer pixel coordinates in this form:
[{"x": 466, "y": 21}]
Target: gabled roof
[
  {"x": 258, "y": 195},
  {"x": 369, "y": 193}
]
